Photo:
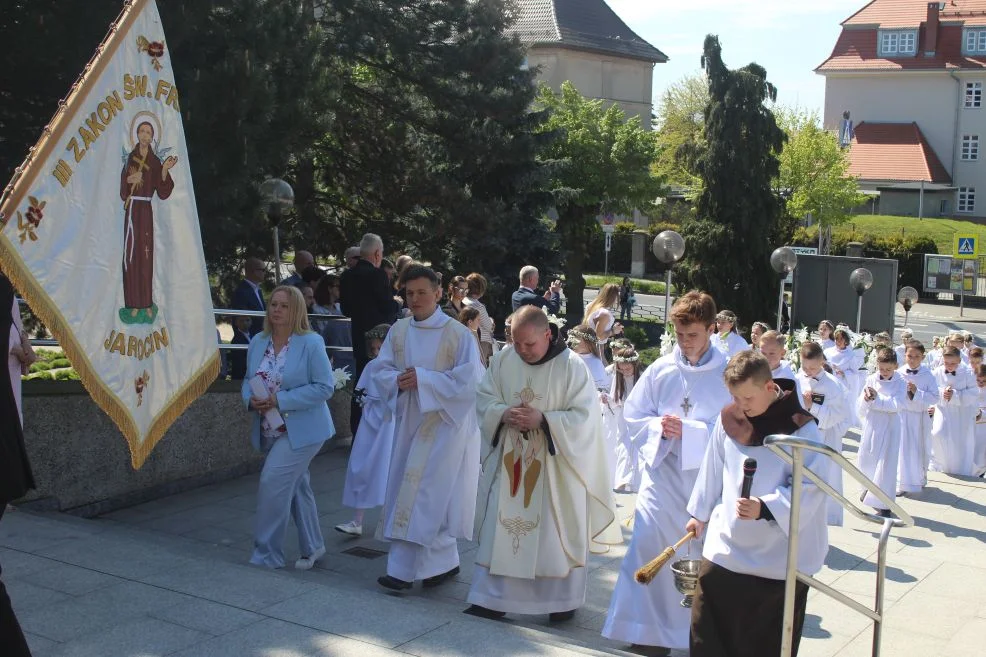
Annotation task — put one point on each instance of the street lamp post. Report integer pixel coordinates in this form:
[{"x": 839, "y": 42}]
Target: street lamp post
[
  {"x": 783, "y": 260},
  {"x": 907, "y": 297},
  {"x": 861, "y": 280},
  {"x": 277, "y": 197},
  {"x": 668, "y": 247}
]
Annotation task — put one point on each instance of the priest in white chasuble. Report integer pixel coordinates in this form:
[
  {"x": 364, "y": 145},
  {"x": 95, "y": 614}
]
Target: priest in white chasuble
[
  {"x": 545, "y": 496},
  {"x": 670, "y": 413},
  {"x": 430, "y": 363}
]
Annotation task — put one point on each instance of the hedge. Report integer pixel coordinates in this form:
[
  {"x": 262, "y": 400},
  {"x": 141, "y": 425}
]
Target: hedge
[
  {"x": 621, "y": 253},
  {"x": 907, "y": 251}
]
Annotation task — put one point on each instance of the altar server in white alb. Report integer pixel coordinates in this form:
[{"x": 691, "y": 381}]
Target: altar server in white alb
[
  {"x": 545, "y": 497},
  {"x": 625, "y": 372},
  {"x": 824, "y": 397},
  {"x": 773, "y": 348},
  {"x": 726, "y": 339},
  {"x": 738, "y": 608},
  {"x": 369, "y": 460},
  {"x": 670, "y": 413},
  {"x": 432, "y": 364},
  {"x": 915, "y": 425},
  {"x": 879, "y": 405},
  {"x": 953, "y": 425}
]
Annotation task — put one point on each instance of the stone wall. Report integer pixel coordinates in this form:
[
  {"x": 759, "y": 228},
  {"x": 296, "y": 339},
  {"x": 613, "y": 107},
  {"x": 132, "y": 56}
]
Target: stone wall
[{"x": 82, "y": 464}]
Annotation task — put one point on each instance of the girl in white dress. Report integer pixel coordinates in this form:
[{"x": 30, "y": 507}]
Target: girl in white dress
[
  {"x": 846, "y": 363},
  {"x": 825, "y": 331},
  {"x": 727, "y": 340},
  {"x": 625, "y": 371},
  {"x": 756, "y": 332},
  {"x": 582, "y": 340},
  {"x": 369, "y": 461},
  {"x": 980, "y": 459},
  {"x": 600, "y": 319}
]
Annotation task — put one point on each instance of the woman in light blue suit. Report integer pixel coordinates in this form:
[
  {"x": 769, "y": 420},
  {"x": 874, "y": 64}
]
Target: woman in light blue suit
[{"x": 290, "y": 361}]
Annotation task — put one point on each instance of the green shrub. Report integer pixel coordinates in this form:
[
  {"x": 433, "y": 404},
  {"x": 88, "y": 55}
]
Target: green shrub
[
  {"x": 48, "y": 354},
  {"x": 42, "y": 376},
  {"x": 66, "y": 375},
  {"x": 60, "y": 362},
  {"x": 649, "y": 355},
  {"x": 637, "y": 336},
  {"x": 39, "y": 366}
]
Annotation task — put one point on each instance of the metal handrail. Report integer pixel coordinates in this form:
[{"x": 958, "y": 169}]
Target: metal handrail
[
  {"x": 777, "y": 443},
  {"x": 40, "y": 342}
]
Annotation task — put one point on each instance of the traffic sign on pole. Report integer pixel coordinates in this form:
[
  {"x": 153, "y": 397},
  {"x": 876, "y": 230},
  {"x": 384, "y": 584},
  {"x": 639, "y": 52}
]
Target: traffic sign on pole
[{"x": 966, "y": 246}]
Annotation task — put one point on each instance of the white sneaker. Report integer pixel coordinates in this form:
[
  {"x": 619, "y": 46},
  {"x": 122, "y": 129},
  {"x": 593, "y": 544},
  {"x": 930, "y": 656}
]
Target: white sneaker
[
  {"x": 307, "y": 563},
  {"x": 352, "y": 528}
]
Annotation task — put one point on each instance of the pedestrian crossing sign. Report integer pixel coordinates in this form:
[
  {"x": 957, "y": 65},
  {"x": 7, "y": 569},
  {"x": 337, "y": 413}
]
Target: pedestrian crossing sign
[{"x": 966, "y": 246}]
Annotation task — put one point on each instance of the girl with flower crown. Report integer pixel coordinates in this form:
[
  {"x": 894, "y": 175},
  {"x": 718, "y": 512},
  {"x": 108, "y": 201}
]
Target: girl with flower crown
[{"x": 624, "y": 372}]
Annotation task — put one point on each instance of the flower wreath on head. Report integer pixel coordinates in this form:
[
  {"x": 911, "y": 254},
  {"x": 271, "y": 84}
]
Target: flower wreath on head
[
  {"x": 578, "y": 335},
  {"x": 626, "y": 359},
  {"x": 376, "y": 333}
]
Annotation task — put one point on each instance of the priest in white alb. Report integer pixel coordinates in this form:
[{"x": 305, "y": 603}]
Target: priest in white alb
[
  {"x": 545, "y": 497},
  {"x": 670, "y": 413},
  {"x": 431, "y": 362}
]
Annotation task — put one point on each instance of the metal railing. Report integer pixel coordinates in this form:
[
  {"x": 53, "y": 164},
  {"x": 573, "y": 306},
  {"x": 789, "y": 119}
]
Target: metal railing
[
  {"x": 42, "y": 342},
  {"x": 777, "y": 444}
]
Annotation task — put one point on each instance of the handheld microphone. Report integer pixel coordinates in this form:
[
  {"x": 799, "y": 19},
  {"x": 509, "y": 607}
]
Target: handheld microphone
[{"x": 749, "y": 469}]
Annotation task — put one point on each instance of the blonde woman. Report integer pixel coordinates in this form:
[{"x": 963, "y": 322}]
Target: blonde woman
[
  {"x": 599, "y": 313},
  {"x": 477, "y": 289},
  {"x": 290, "y": 361}
]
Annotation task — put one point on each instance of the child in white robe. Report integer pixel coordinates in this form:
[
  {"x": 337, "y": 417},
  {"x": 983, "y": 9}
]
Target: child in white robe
[
  {"x": 727, "y": 340},
  {"x": 953, "y": 425},
  {"x": 975, "y": 359},
  {"x": 846, "y": 363},
  {"x": 583, "y": 341},
  {"x": 915, "y": 434},
  {"x": 773, "y": 348},
  {"x": 879, "y": 406},
  {"x": 824, "y": 397},
  {"x": 624, "y": 371},
  {"x": 369, "y": 461},
  {"x": 738, "y": 608},
  {"x": 825, "y": 331},
  {"x": 906, "y": 335},
  {"x": 980, "y": 457}
]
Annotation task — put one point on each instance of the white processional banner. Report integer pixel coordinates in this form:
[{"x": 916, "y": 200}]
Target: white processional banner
[{"x": 101, "y": 236}]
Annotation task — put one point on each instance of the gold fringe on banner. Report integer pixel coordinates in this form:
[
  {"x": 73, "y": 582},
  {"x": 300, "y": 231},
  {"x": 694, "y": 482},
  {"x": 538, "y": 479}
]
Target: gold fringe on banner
[{"x": 49, "y": 314}]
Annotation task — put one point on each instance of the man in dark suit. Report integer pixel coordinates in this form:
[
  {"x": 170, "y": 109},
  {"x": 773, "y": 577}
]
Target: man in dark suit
[
  {"x": 366, "y": 297},
  {"x": 248, "y": 295},
  {"x": 526, "y": 296}
]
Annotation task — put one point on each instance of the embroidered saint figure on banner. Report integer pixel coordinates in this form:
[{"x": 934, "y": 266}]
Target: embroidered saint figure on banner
[{"x": 143, "y": 174}]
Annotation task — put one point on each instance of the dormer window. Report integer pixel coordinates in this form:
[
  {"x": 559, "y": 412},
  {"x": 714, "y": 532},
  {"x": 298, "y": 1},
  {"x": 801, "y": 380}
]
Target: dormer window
[
  {"x": 975, "y": 41},
  {"x": 898, "y": 43}
]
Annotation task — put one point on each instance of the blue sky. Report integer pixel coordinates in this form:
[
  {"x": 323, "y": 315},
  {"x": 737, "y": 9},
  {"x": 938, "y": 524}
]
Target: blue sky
[{"x": 789, "y": 38}]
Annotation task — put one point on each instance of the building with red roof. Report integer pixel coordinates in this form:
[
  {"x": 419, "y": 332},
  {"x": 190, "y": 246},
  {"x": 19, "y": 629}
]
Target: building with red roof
[{"x": 910, "y": 75}]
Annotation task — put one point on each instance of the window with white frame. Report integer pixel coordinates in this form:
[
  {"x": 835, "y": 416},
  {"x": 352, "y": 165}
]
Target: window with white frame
[
  {"x": 967, "y": 199},
  {"x": 973, "y": 94},
  {"x": 975, "y": 41},
  {"x": 898, "y": 42},
  {"x": 970, "y": 147}
]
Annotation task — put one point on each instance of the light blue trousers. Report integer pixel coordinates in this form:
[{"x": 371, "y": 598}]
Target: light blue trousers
[{"x": 285, "y": 492}]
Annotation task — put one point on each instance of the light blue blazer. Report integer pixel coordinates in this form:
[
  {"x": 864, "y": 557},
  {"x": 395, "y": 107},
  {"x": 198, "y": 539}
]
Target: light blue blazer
[{"x": 306, "y": 385}]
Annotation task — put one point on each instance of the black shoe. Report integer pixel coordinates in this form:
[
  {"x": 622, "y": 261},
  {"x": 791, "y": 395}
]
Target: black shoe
[
  {"x": 884, "y": 513},
  {"x": 393, "y": 583},
  {"x": 561, "y": 616},
  {"x": 483, "y": 612},
  {"x": 438, "y": 580}
]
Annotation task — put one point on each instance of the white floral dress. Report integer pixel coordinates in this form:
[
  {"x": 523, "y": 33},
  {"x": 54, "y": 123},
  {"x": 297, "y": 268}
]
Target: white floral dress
[{"x": 271, "y": 369}]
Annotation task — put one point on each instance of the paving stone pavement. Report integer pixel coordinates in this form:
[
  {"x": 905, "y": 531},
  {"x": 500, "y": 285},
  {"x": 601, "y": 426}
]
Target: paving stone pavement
[{"x": 170, "y": 577}]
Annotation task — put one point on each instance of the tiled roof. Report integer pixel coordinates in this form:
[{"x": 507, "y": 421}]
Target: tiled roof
[
  {"x": 856, "y": 50},
  {"x": 583, "y": 25},
  {"x": 911, "y": 13},
  {"x": 894, "y": 152}
]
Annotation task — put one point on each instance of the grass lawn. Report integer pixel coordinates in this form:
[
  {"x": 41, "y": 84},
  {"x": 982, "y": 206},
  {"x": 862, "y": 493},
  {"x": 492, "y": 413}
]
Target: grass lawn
[
  {"x": 941, "y": 231},
  {"x": 642, "y": 285}
]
